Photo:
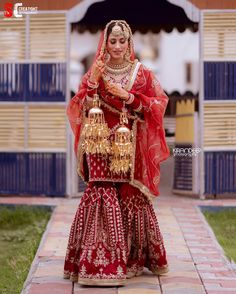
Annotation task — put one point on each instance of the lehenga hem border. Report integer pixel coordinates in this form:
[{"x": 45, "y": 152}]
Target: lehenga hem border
[
  {"x": 102, "y": 282},
  {"x": 161, "y": 271},
  {"x": 70, "y": 277}
]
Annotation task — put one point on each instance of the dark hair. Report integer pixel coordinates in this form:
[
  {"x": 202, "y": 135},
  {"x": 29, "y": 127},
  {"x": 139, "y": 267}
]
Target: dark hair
[{"x": 110, "y": 27}]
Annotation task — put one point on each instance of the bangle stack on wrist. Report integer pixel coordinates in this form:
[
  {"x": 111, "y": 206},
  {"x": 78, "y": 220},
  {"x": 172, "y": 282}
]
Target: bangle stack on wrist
[
  {"x": 130, "y": 99},
  {"x": 93, "y": 85},
  {"x": 139, "y": 108}
]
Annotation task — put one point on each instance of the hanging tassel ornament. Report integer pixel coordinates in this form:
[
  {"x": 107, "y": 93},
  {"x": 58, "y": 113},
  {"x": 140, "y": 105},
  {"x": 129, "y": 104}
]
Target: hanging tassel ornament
[
  {"x": 122, "y": 147},
  {"x": 96, "y": 133}
]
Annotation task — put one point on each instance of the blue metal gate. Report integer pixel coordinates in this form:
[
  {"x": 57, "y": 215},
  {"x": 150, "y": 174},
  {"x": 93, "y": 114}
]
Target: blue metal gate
[{"x": 33, "y": 173}]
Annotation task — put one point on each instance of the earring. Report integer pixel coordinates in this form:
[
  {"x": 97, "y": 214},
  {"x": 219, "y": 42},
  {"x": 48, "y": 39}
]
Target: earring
[
  {"x": 107, "y": 57},
  {"x": 127, "y": 54}
]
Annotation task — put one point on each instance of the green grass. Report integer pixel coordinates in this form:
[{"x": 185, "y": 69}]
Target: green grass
[
  {"x": 21, "y": 228},
  {"x": 223, "y": 224}
]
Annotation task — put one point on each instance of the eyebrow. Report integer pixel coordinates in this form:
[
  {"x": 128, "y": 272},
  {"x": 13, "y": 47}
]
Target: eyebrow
[{"x": 114, "y": 39}]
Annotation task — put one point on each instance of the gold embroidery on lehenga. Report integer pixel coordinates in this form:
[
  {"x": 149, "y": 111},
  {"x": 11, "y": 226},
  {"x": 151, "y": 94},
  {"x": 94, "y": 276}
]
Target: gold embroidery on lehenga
[
  {"x": 83, "y": 271},
  {"x": 101, "y": 259},
  {"x": 120, "y": 271}
]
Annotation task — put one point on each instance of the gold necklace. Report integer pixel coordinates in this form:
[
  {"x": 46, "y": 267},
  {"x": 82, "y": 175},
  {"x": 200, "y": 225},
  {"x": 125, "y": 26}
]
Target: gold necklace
[
  {"x": 118, "y": 65},
  {"x": 118, "y": 70}
]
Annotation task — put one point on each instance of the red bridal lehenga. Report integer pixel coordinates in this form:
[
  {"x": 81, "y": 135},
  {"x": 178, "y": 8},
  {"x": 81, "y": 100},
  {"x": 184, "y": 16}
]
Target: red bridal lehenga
[{"x": 115, "y": 232}]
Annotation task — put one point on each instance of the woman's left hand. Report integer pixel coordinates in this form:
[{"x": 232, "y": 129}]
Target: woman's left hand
[{"x": 117, "y": 90}]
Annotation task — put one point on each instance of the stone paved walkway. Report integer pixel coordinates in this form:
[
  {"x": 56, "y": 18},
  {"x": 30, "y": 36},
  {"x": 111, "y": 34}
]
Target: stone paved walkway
[{"x": 197, "y": 263}]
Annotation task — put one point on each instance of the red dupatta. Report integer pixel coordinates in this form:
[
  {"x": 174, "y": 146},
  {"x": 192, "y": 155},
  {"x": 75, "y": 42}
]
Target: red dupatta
[{"x": 150, "y": 146}]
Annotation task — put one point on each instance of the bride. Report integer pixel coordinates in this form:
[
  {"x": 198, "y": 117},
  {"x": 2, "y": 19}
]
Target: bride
[{"x": 115, "y": 232}]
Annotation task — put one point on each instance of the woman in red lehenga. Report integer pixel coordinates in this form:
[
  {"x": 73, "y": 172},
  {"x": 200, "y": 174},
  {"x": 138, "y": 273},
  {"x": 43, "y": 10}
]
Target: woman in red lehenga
[{"x": 115, "y": 233}]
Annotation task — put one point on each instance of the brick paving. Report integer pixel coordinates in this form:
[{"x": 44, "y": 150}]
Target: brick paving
[{"x": 197, "y": 262}]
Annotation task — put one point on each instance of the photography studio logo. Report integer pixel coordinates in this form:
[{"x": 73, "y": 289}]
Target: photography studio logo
[
  {"x": 17, "y": 10},
  {"x": 187, "y": 152}
]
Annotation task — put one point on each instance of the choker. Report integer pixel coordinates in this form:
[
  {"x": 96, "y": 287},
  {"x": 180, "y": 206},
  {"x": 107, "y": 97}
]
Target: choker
[
  {"x": 118, "y": 69},
  {"x": 118, "y": 66}
]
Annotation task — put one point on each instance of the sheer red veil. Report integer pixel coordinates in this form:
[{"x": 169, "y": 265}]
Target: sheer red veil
[{"x": 151, "y": 147}]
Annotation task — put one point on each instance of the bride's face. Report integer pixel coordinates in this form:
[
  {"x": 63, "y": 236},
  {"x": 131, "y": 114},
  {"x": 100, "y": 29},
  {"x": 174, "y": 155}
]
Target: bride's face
[{"x": 117, "y": 47}]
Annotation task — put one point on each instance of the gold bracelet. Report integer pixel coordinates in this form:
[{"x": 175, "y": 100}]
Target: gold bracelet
[
  {"x": 130, "y": 99},
  {"x": 139, "y": 108},
  {"x": 92, "y": 85}
]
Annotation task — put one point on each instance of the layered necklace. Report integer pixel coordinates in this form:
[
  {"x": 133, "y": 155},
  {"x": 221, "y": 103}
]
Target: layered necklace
[
  {"x": 118, "y": 73},
  {"x": 118, "y": 69}
]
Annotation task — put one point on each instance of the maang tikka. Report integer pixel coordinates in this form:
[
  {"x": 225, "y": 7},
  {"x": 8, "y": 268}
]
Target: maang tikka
[{"x": 117, "y": 30}]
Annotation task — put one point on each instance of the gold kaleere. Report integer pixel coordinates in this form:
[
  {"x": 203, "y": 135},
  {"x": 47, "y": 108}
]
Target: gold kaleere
[
  {"x": 122, "y": 147},
  {"x": 95, "y": 133}
]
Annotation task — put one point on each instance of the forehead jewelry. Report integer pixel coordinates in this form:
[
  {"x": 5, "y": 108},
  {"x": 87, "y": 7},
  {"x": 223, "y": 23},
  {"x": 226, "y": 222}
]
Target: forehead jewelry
[{"x": 117, "y": 30}]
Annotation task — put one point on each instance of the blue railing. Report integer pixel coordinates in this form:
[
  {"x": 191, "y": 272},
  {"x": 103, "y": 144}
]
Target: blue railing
[
  {"x": 220, "y": 80},
  {"x": 33, "y": 82},
  {"x": 220, "y": 172},
  {"x": 33, "y": 173}
]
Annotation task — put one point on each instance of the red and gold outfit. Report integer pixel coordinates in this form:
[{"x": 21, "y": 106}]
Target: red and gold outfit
[{"x": 115, "y": 232}]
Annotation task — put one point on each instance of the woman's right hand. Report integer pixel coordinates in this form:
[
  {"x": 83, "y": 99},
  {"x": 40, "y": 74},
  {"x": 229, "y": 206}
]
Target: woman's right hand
[{"x": 97, "y": 70}]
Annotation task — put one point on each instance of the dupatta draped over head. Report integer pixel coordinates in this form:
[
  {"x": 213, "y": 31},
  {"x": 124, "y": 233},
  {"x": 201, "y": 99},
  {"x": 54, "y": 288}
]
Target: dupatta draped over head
[{"x": 150, "y": 145}]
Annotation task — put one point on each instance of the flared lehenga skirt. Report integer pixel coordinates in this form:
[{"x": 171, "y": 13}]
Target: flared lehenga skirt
[
  {"x": 96, "y": 252},
  {"x": 144, "y": 241},
  {"x": 114, "y": 235}
]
